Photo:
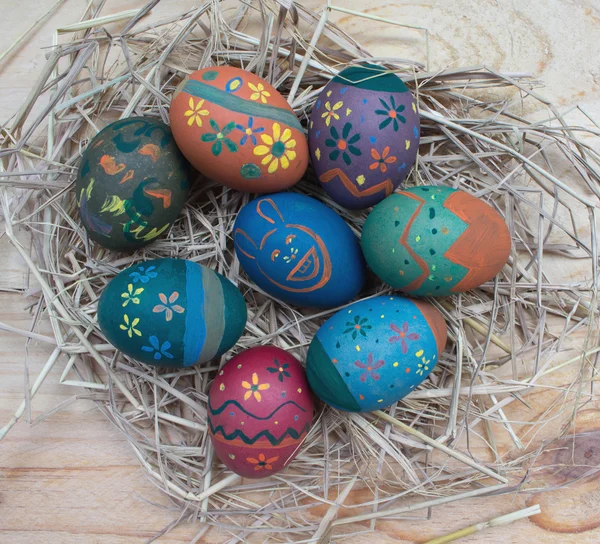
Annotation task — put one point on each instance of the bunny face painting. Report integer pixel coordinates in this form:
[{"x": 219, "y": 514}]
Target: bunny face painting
[
  {"x": 297, "y": 272},
  {"x": 299, "y": 251}
]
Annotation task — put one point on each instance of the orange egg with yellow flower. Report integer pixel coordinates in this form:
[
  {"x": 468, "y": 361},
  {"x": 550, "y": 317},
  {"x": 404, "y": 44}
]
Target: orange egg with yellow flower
[{"x": 238, "y": 130}]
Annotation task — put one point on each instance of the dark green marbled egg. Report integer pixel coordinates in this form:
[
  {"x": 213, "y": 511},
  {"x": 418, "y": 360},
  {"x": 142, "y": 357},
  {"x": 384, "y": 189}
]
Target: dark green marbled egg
[{"x": 132, "y": 183}]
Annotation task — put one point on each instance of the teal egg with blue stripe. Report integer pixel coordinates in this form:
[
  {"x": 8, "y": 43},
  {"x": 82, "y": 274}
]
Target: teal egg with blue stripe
[
  {"x": 375, "y": 352},
  {"x": 171, "y": 313}
]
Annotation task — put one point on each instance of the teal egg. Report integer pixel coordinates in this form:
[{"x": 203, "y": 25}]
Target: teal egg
[
  {"x": 171, "y": 313},
  {"x": 375, "y": 352},
  {"x": 435, "y": 241},
  {"x": 132, "y": 183}
]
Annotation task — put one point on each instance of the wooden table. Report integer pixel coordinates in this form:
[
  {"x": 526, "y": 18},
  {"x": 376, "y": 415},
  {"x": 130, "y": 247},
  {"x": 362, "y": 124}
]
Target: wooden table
[{"x": 73, "y": 479}]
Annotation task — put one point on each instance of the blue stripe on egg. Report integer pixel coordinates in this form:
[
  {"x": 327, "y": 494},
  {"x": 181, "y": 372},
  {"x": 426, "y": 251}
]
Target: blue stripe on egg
[
  {"x": 235, "y": 316},
  {"x": 195, "y": 328},
  {"x": 237, "y": 104}
]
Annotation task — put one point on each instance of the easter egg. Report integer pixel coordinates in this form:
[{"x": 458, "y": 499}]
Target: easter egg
[
  {"x": 363, "y": 135},
  {"x": 259, "y": 411},
  {"x": 375, "y": 352},
  {"x": 132, "y": 183},
  {"x": 435, "y": 241},
  {"x": 171, "y": 313},
  {"x": 238, "y": 130},
  {"x": 298, "y": 250}
]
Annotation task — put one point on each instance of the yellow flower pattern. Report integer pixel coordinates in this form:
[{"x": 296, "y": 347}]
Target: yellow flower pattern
[
  {"x": 254, "y": 388},
  {"x": 277, "y": 149},
  {"x": 129, "y": 326},
  {"x": 423, "y": 366},
  {"x": 331, "y": 112},
  {"x": 195, "y": 113},
  {"x": 259, "y": 92},
  {"x": 131, "y": 295}
]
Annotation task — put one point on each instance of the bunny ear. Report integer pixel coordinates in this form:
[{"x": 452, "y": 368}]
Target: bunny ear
[
  {"x": 244, "y": 244},
  {"x": 268, "y": 210}
]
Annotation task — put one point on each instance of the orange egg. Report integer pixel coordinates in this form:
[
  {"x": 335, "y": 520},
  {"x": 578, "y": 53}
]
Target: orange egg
[{"x": 238, "y": 130}]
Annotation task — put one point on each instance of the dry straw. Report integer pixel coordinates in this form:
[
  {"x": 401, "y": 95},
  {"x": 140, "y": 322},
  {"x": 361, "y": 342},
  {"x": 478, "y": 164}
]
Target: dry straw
[{"x": 461, "y": 434}]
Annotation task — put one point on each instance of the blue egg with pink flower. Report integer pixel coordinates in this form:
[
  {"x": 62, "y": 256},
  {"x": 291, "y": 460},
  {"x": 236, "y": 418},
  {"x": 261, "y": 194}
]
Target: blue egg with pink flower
[{"x": 374, "y": 352}]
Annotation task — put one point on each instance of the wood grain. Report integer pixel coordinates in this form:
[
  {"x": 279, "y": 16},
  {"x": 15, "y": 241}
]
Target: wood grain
[{"x": 73, "y": 479}]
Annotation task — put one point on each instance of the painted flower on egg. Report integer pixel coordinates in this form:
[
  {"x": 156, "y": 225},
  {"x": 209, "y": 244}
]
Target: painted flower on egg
[
  {"x": 363, "y": 135},
  {"x": 259, "y": 411},
  {"x": 363, "y": 372},
  {"x": 235, "y": 128},
  {"x": 276, "y": 149},
  {"x": 195, "y": 113}
]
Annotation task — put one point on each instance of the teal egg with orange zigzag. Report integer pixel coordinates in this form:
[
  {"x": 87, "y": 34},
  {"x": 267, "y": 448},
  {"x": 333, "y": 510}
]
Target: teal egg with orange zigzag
[
  {"x": 171, "y": 313},
  {"x": 374, "y": 352},
  {"x": 260, "y": 409},
  {"x": 435, "y": 241}
]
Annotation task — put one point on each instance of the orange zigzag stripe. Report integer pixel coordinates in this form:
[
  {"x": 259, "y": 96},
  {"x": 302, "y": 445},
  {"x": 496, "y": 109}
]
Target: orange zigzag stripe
[
  {"x": 385, "y": 185},
  {"x": 404, "y": 242}
]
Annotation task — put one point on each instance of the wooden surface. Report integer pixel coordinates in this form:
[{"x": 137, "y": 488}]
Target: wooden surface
[{"x": 73, "y": 479}]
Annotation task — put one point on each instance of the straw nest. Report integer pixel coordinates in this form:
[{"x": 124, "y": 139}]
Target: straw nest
[{"x": 462, "y": 433}]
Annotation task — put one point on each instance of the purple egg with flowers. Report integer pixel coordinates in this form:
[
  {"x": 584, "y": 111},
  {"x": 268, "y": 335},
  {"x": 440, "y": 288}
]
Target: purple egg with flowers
[{"x": 363, "y": 135}]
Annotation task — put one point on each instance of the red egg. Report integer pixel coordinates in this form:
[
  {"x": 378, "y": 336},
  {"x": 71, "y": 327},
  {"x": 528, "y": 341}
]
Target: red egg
[{"x": 260, "y": 409}]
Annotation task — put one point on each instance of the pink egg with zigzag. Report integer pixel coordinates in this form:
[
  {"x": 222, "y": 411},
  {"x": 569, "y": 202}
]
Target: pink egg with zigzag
[{"x": 260, "y": 409}]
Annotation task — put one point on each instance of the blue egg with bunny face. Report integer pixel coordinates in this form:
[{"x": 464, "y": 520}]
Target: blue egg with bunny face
[{"x": 299, "y": 251}]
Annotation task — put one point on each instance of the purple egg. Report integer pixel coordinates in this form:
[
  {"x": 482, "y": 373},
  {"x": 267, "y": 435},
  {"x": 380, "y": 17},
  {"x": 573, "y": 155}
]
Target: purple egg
[{"x": 363, "y": 135}]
